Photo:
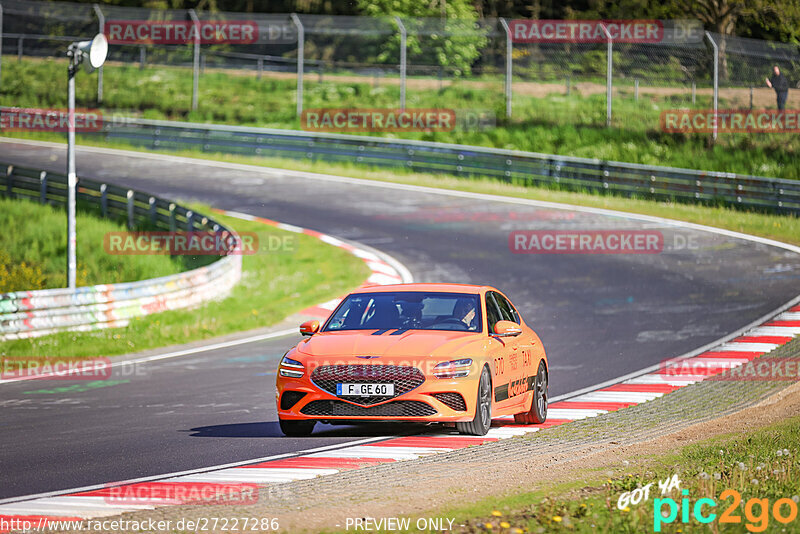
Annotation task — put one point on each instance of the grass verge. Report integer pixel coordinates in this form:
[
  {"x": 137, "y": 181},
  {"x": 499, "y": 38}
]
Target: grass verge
[
  {"x": 33, "y": 256},
  {"x": 274, "y": 285},
  {"x": 545, "y": 120},
  {"x": 761, "y": 467}
]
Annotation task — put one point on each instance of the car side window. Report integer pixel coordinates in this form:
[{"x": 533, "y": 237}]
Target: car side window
[
  {"x": 506, "y": 308},
  {"x": 492, "y": 312}
]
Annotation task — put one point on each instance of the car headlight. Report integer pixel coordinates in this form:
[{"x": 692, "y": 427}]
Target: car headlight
[
  {"x": 291, "y": 368},
  {"x": 453, "y": 369}
]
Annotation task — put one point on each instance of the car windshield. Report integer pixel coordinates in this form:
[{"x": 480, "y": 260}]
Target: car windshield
[{"x": 409, "y": 310}]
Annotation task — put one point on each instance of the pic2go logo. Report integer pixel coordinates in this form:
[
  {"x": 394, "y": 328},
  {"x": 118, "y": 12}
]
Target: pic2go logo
[{"x": 756, "y": 511}]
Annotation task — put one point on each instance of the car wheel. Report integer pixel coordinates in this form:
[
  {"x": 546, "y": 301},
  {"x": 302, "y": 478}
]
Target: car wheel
[
  {"x": 297, "y": 429},
  {"x": 538, "y": 412},
  {"x": 479, "y": 426}
]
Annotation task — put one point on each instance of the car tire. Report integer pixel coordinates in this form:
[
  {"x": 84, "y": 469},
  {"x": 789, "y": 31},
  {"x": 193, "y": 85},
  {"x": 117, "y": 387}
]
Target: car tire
[
  {"x": 297, "y": 429},
  {"x": 538, "y": 411},
  {"x": 480, "y": 425}
]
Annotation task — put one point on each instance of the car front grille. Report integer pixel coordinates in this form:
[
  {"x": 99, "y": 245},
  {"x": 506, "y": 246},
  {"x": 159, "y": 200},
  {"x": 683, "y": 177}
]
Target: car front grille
[
  {"x": 404, "y": 378},
  {"x": 452, "y": 400},
  {"x": 323, "y": 408}
]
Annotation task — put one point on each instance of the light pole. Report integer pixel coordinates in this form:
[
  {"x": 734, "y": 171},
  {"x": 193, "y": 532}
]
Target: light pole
[{"x": 92, "y": 54}]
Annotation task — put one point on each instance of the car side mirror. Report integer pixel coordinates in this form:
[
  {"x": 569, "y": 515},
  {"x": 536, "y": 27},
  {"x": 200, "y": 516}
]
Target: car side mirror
[
  {"x": 507, "y": 329},
  {"x": 309, "y": 328}
]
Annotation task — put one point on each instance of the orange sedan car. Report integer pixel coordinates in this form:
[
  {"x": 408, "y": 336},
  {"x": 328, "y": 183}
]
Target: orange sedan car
[{"x": 429, "y": 353}]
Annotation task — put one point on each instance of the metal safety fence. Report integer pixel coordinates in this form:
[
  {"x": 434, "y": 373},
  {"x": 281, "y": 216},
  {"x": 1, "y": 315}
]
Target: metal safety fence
[
  {"x": 529, "y": 168},
  {"x": 26, "y": 314},
  {"x": 417, "y": 56}
]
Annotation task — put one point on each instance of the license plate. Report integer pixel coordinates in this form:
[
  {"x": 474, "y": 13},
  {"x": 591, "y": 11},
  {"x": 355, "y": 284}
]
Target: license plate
[{"x": 365, "y": 390}]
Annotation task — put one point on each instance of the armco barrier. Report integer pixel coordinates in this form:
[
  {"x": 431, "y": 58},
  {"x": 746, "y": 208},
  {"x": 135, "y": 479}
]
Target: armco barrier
[
  {"x": 752, "y": 192},
  {"x": 35, "y": 313}
]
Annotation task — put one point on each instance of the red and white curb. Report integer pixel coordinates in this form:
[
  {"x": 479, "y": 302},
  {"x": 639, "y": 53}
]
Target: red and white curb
[
  {"x": 384, "y": 270},
  {"x": 184, "y": 488}
]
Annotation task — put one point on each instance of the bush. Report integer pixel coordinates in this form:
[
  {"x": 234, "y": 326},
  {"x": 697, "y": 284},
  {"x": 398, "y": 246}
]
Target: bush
[{"x": 21, "y": 276}]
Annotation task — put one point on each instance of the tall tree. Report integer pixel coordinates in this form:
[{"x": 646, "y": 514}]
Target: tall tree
[
  {"x": 781, "y": 18},
  {"x": 442, "y": 32}
]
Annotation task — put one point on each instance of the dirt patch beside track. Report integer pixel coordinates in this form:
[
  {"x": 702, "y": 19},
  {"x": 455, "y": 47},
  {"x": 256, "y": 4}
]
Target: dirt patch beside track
[{"x": 427, "y": 491}]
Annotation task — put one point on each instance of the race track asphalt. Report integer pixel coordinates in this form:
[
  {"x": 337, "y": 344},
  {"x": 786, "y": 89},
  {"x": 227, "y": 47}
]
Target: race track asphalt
[{"x": 599, "y": 316}]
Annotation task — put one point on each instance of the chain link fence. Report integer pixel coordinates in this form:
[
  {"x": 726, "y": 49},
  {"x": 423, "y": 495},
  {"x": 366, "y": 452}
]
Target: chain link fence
[
  {"x": 745, "y": 63},
  {"x": 412, "y": 61}
]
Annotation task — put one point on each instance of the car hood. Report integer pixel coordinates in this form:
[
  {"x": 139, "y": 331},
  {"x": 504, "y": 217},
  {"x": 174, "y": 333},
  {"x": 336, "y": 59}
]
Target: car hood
[{"x": 412, "y": 343}]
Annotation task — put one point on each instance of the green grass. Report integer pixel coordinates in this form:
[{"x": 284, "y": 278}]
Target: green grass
[
  {"x": 588, "y": 504},
  {"x": 569, "y": 125},
  {"x": 274, "y": 285},
  {"x": 749, "y": 464},
  {"x": 37, "y": 252}
]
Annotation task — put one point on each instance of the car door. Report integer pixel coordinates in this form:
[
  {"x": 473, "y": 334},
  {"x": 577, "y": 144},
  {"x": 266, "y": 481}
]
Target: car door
[
  {"x": 506, "y": 356},
  {"x": 524, "y": 362}
]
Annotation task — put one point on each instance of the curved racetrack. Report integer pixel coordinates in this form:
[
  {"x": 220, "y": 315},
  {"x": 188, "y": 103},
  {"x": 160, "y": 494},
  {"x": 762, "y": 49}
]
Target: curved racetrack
[{"x": 599, "y": 316}]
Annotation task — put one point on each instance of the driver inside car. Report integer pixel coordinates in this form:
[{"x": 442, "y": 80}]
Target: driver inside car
[
  {"x": 411, "y": 314},
  {"x": 464, "y": 311}
]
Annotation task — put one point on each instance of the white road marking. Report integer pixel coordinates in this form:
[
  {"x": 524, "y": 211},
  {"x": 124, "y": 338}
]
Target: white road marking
[
  {"x": 564, "y": 413},
  {"x": 390, "y": 453},
  {"x": 71, "y": 506},
  {"x": 658, "y": 378},
  {"x": 379, "y": 266},
  {"x": 747, "y": 347},
  {"x": 255, "y": 475},
  {"x": 702, "y": 361},
  {"x": 503, "y": 432},
  {"x": 785, "y": 331},
  {"x": 618, "y": 396}
]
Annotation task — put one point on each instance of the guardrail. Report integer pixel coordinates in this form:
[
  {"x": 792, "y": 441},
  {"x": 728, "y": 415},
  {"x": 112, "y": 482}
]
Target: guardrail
[
  {"x": 34, "y": 313},
  {"x": 662, "y": 183}
]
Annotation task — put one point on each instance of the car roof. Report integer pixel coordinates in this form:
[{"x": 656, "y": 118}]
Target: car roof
[{"x": 443, "y": 288}]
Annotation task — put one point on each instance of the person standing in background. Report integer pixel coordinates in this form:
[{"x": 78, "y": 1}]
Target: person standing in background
[{"x": 781, "y": 85}]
